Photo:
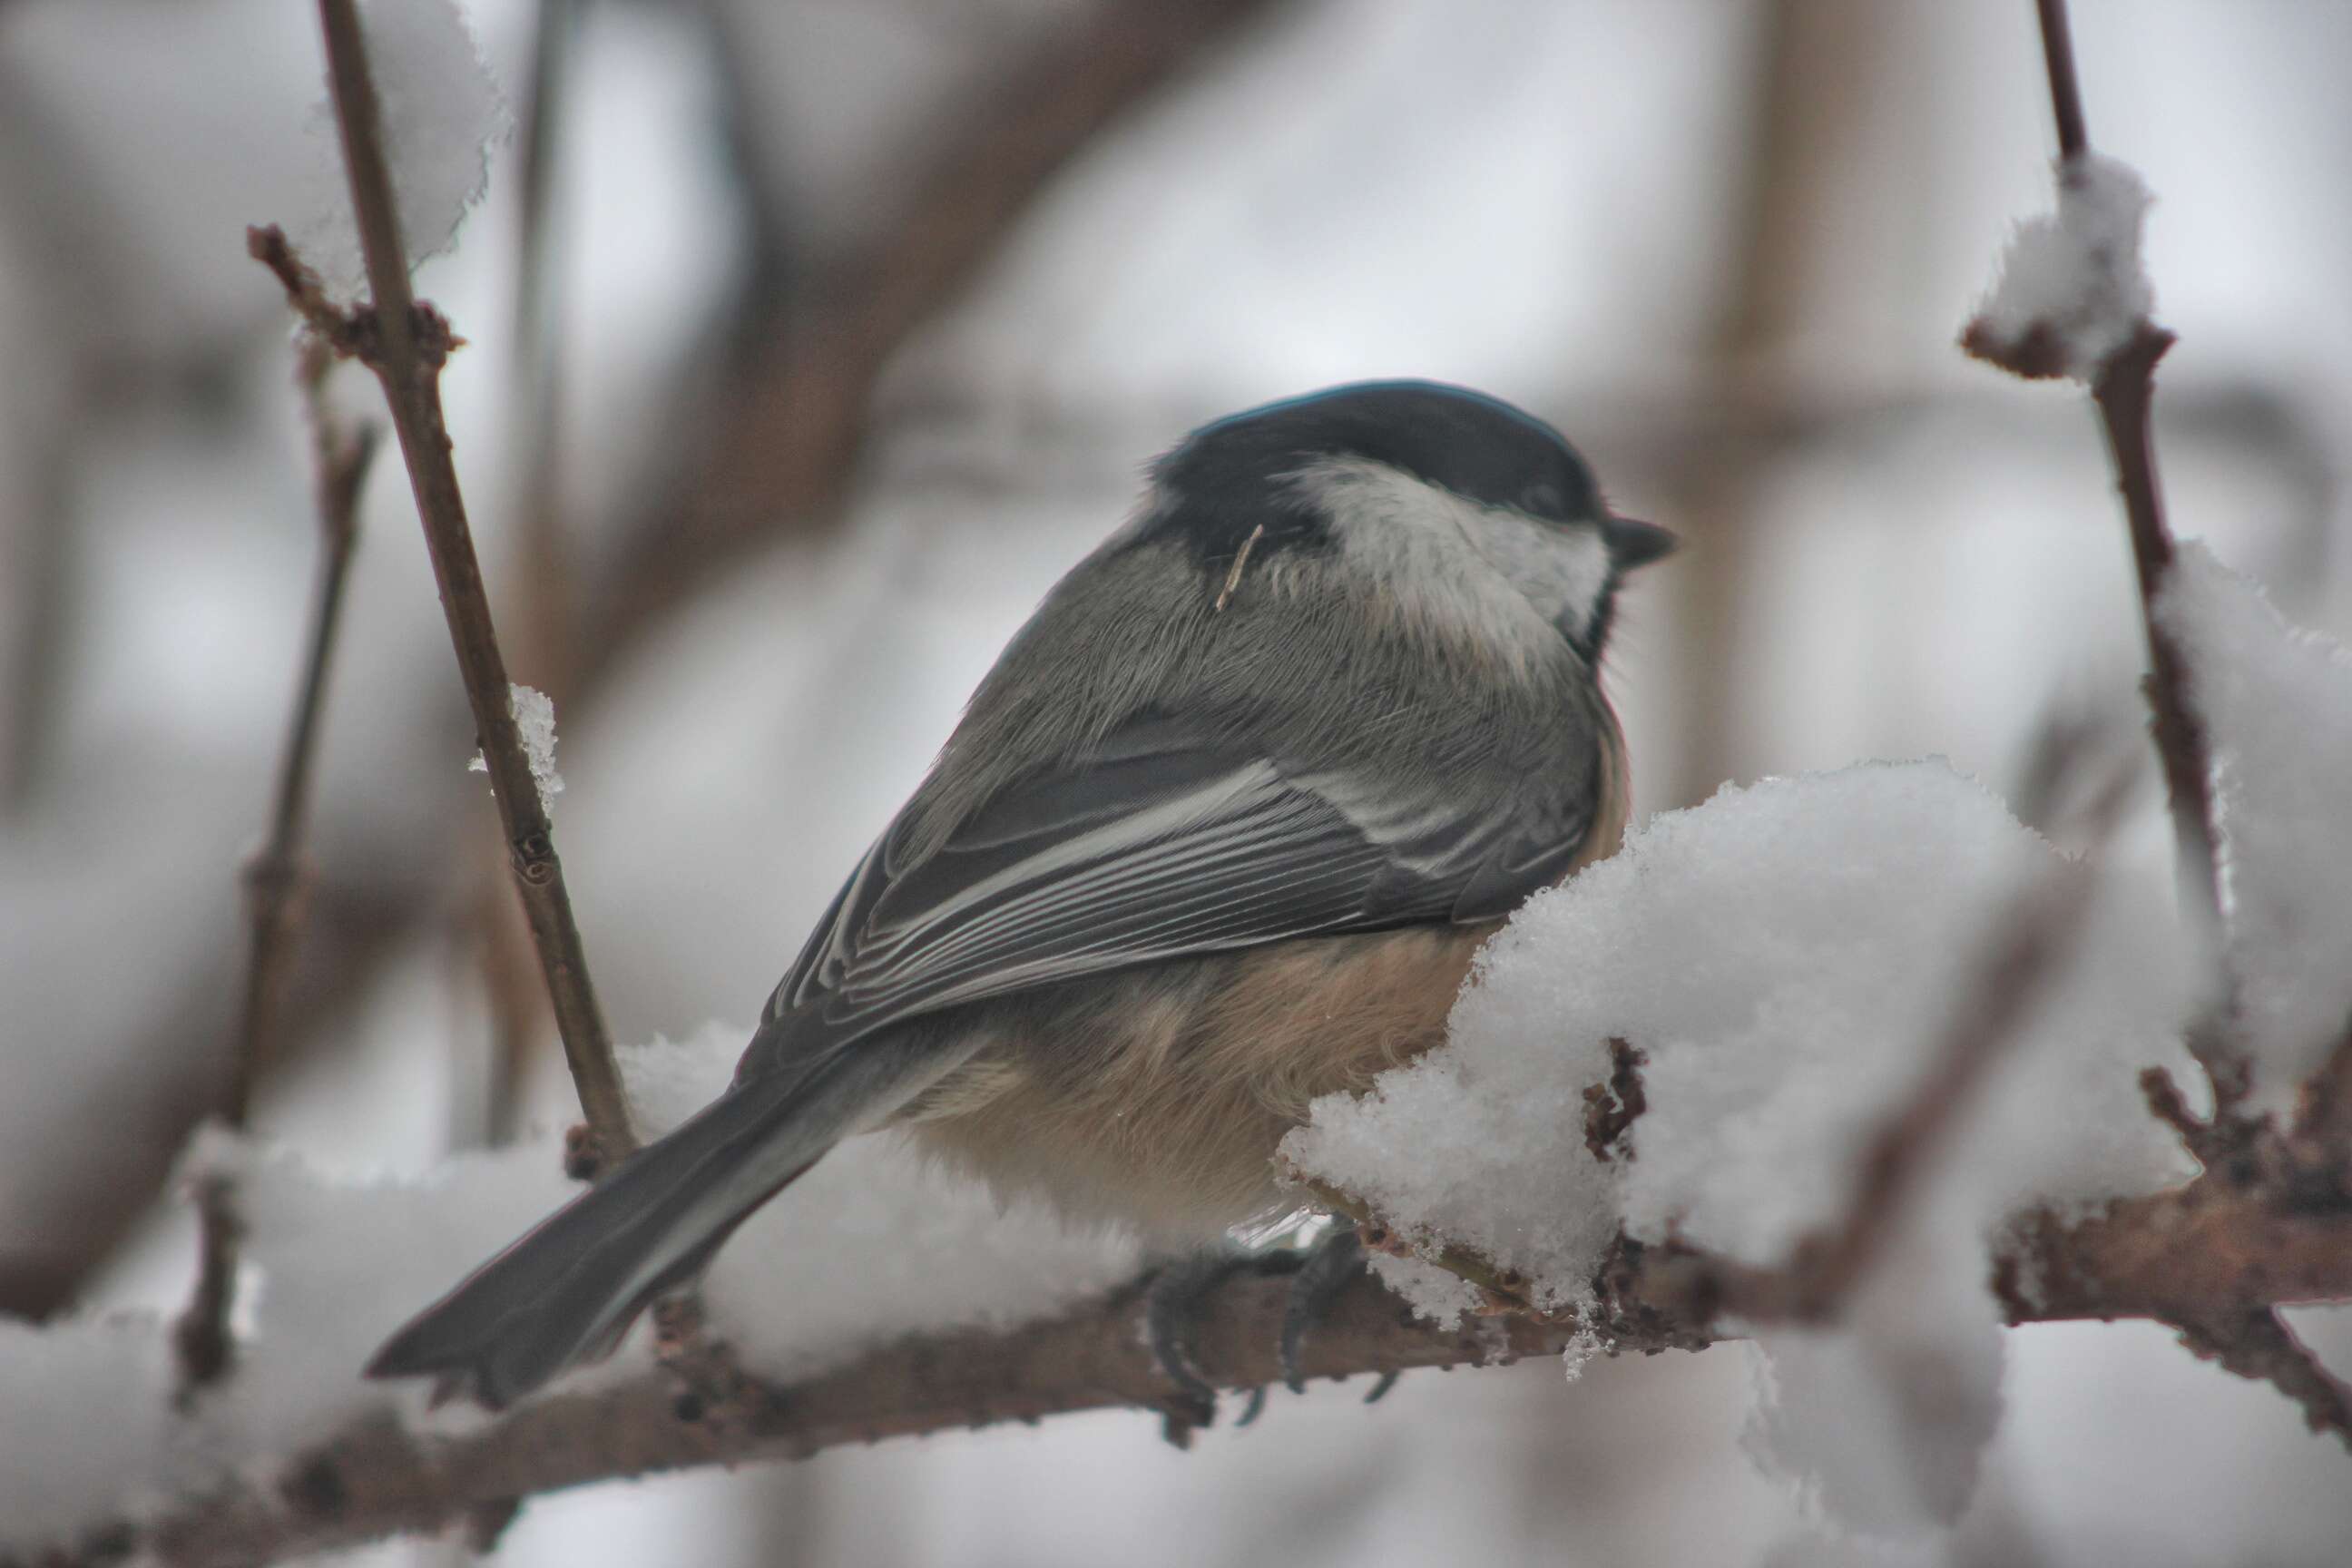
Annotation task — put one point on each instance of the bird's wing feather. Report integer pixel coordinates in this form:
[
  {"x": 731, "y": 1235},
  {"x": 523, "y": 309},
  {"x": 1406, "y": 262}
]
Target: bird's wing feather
[{"x": 1163, "y": 847}]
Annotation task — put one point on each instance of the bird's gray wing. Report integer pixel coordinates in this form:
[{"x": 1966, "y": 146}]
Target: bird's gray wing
[{"x": 1164, "y": 847}]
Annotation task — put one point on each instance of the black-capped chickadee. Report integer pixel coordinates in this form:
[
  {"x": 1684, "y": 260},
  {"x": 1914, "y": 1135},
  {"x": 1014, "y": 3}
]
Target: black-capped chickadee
[{"x": 1218, "y": 835}]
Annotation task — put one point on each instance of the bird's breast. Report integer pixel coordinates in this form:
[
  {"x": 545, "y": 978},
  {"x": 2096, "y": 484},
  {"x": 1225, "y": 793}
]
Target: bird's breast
[{"x": 1157, "y": 1098}]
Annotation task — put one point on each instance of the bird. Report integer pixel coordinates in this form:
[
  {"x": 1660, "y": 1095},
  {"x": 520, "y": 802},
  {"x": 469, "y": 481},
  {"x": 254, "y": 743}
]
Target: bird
[{"x": 1218, "y": 835}]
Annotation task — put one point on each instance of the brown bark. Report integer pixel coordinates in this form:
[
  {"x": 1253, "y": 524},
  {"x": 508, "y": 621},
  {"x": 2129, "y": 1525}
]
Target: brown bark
[{"x": 2204, "y": 1253}]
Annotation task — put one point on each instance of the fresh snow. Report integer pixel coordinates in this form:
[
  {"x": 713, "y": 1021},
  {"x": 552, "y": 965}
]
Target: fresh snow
[
  {"x": 443, "y": 117},
  {"x": 871, "y": 1246},
  {"x": 2075, "y": 272},
  {"x": 534, "y": 717},
  {"x": 1784, "y": 955},
  {"x": 2277, "y": 704}
]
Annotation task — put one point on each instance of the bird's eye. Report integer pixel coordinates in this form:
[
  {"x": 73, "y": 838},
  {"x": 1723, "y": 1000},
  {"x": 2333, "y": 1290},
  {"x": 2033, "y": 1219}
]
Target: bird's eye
[{"x": 1540, "y": 499}]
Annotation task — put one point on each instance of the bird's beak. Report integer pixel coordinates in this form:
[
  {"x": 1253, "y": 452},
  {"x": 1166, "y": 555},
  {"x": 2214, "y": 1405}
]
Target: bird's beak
[{"x": 1633, "y": 543}]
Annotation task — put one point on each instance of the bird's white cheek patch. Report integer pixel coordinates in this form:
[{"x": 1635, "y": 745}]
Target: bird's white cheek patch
[
  {"x": 1455, "y": 566},
  {"x": 1563, "y": 571}
]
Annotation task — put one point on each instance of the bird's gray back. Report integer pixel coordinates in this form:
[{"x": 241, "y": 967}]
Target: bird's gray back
[{"x": 1290, "y": 665}]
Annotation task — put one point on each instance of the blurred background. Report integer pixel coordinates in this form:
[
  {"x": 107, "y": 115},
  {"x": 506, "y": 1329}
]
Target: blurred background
[{"x": 810, "y": 341}]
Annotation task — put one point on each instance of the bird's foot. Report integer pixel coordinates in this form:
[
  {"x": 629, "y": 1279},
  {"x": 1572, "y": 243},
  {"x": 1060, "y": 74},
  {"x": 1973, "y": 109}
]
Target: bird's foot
[
  {"x": 1171, "y": 1308},
  {"x": 1317, "y": 1274},
  {"x": 1327, "y": 1268}
]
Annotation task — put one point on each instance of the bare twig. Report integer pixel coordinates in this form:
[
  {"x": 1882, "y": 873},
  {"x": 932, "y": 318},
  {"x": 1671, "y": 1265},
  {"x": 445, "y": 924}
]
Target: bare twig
[
  {"x": 2065, "y": 94},
  {"x": 411, "y": 342},
  {"x": 1610, "y": 1109},
  {"x": 202, "y": 1344},
  {"x": 276, "y": 875},
  {"x": 2125, "y": 388},
  {"x": 2240, "y": 1150},
  {"x": 539, "y": 602}
]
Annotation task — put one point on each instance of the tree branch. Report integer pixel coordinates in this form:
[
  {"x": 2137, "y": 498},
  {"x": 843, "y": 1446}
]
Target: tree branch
[
  {"x": 411, "y": 341},
  {"x": 539, "y": 600},
  {"x": 786, "y": 433},
  {"x": 2259, "y": 1345},
  {"x": 2204, "y": 1252},
  {"x": 2030, "y": 939}
]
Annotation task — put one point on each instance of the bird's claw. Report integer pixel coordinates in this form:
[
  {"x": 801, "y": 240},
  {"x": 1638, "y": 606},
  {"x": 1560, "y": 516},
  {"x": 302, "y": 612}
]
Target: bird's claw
[
  {"x": 1323, "y": 1273},
  {"x": 1172, "y": 1309},
  {"x": 1171, "y": 1306}
]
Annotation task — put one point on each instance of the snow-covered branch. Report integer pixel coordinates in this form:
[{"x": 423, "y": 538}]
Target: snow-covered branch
[{"x": 365, "y": 1463}]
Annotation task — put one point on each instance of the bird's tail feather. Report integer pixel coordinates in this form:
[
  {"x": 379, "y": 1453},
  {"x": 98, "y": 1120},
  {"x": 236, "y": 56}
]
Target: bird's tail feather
[{"x": 569, "y": 1288}]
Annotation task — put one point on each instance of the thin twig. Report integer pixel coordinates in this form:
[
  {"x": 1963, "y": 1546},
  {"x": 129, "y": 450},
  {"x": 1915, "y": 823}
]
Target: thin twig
[
  {"x": 2124, "y": 389},
  {"x": 412, "y": 340},
  {"x": 2065, "y": 94},
  {"x": 2123, "y": 392},
  {"x": 539, "y": 602},
  {"x": 406, "y": 344},
  {"x": 202, "y": 1347},
  {"x": 275, "y": 876}
]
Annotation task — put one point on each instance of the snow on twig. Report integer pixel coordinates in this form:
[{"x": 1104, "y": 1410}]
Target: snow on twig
[{"x": 2072, "y": 300}]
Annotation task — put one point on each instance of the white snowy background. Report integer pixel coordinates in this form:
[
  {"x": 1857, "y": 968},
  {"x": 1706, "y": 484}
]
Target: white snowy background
[{"x": 1552, "y": 201}]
